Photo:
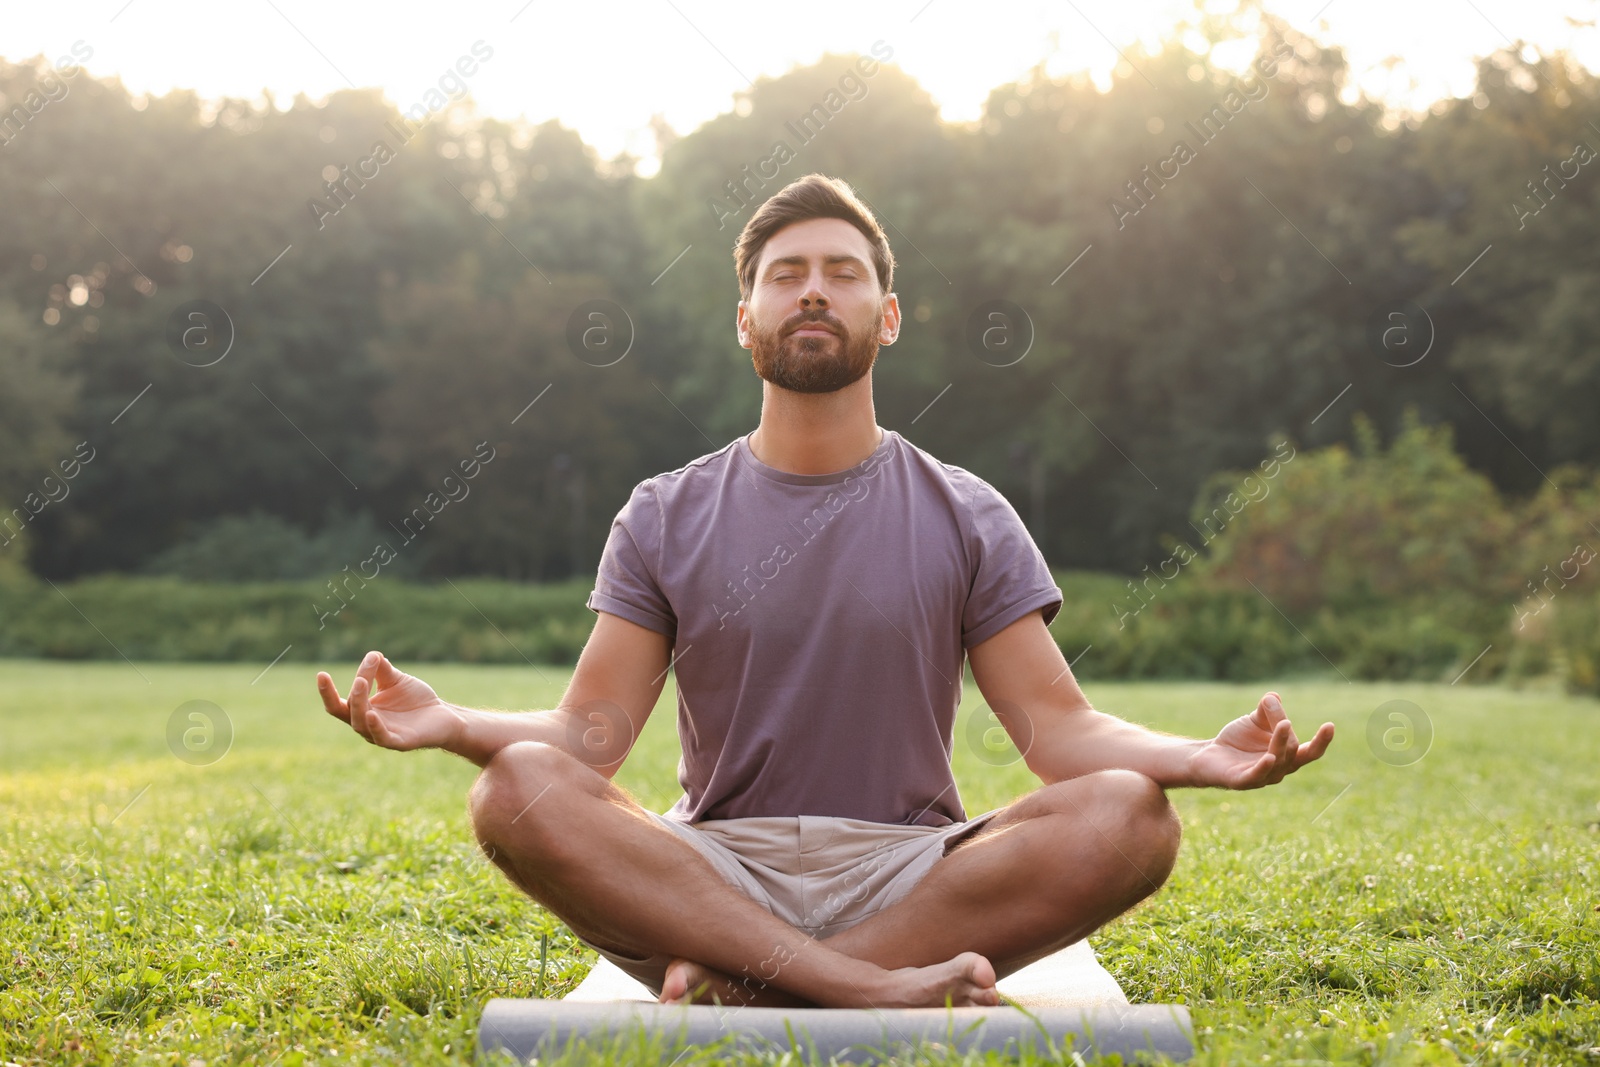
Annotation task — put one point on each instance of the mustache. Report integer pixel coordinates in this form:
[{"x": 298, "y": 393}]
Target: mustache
[{"x": 807, "y": 318}]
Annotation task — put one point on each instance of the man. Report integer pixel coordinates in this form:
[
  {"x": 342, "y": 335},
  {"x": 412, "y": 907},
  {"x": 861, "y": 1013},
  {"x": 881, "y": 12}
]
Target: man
[{"x": 815, "y": 585}]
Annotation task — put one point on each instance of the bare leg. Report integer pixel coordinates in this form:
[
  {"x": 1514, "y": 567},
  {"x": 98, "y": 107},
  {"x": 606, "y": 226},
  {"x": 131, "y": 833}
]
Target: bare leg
[
  {"x": 576, "y": 843},
  {"x": 1043, "y": 873}
]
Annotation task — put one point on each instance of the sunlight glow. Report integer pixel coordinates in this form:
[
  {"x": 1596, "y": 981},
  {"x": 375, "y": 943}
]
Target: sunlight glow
[{"x": 606, "y": 68}]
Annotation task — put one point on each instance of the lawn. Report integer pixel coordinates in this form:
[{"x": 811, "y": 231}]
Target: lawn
[{"x": 308, "y": 898}]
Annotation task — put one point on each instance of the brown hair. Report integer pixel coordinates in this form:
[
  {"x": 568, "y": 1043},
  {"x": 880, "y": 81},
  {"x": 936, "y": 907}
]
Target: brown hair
[{"x": 816, "y": 196}]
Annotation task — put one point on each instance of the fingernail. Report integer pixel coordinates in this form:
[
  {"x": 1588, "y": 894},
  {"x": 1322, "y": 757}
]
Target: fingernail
[{"x": 1274, "y": 703}]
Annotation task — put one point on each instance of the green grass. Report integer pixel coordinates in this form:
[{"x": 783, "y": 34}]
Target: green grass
[{"x": 314, "y": 899}]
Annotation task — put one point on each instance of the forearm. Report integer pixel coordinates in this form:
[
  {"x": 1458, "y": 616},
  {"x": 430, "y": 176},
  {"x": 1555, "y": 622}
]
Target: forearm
[
  {"x": 1094, "y": 741},
  {"x": 480, "y": 734}
]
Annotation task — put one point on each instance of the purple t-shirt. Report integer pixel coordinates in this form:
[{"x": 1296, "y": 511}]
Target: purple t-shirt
[{"x": 819, "y": 624}]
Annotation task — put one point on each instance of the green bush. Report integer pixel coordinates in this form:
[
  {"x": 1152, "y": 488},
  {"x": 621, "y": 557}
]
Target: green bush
[
  {"x": 1574, "y": 629},
  {"x": 1354, "y": 531},
  {"x": 1185, "y": 632},
  {"x": 1190, "y": 631},
  {"x": 474, "y": 621},
  {"x": 1392, "y": 563},
  {"x": 261, "y": 548}
]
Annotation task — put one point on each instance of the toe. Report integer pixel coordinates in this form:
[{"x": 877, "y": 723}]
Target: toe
[{"x": 674, "y": 984}]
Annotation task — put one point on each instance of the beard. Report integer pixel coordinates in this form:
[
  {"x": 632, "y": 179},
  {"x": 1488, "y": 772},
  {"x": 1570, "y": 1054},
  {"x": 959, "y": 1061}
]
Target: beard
[{"x": 811, "y": 364}]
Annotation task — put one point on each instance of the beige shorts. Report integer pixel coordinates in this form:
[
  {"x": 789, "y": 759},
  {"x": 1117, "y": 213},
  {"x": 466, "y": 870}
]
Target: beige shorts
[{"x": 821, "y": 874}]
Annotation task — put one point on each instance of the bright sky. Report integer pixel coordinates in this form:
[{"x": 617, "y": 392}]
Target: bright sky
[{"x": 604, "y": 67}]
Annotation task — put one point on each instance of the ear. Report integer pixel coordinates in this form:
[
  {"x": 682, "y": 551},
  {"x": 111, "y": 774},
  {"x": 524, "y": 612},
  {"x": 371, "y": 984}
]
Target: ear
[
  {"x": 741, "y": 324},
  {"x": 889, "y": 327}
]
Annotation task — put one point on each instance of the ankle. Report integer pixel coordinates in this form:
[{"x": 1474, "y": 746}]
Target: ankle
[{"x": 868, "y": 986}]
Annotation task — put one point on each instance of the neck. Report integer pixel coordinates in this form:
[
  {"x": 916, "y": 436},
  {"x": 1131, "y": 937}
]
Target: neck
[{"x": 816, "y": 433}]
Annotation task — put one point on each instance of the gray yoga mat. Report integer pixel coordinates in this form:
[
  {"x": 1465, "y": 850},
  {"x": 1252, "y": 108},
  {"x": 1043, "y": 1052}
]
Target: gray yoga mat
[{"x": 529, "y": 1029}]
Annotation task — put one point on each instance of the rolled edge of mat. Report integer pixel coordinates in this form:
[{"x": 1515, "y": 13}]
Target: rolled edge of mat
[{"x": 543, "y": 1028}]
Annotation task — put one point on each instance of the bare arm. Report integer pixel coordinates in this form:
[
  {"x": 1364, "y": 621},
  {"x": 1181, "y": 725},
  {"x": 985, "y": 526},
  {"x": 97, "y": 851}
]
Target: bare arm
[
  {"x": 615, "y": 686},
  {"x": 1031, "y": 690}
]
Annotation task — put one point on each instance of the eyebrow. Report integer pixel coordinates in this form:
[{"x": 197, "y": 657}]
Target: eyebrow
[{"x": 829, "y": 260}]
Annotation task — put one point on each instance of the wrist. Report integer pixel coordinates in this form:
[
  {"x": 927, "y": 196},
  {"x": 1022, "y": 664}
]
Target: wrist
[
  {"x": 457, "y": 732},
  {"x": 1186, "y": 755}
]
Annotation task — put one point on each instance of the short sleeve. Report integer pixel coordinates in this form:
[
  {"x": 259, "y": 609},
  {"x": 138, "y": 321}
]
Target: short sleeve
[
  {"x": 626, "y": 583},
  {"x": 1010, "y": 577}
]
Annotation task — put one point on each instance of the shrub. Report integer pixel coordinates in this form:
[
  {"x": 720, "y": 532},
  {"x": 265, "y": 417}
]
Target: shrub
[
  {"x": 259, "y": 547},
  {"x": 1345, "y": 530},
  {"x": 153, "y": 618},
  {"x": 1575, "y": 630}
]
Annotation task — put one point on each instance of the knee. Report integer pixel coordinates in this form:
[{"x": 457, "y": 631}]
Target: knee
[
  {"x": 1134, "y": 810},
  {"x": 513, "y": 793},
  {"x": 1153, "y": 827}
]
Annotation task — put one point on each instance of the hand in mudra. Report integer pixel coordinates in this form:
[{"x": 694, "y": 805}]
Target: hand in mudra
[
  {"x": 1256, "y": 749},
  {"x": 389, "y": 707}
]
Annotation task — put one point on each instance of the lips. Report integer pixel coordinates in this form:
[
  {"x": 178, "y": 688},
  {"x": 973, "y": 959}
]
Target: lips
[{"x": 811, "y": 328}]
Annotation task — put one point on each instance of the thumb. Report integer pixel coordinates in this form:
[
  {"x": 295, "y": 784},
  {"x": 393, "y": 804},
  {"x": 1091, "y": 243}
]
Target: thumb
[
  {"x": 1256, "y": 774},
  {"x": 388, "y": 673}
]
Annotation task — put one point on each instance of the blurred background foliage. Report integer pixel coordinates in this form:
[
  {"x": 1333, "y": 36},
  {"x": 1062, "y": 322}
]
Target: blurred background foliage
[{"x": 1427, "y": 514}]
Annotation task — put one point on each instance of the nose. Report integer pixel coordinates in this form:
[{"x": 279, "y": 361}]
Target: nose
[{"x": 813, "y": 299}]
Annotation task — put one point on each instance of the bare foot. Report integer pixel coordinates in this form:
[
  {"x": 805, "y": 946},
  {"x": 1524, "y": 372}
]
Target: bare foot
[
  {"x": 968, "y": 980},
  {"x": 711, "y": 986}
]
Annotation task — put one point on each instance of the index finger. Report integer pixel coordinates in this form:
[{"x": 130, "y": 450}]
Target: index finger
[
  {"x": 331, "y": 701},
  {"x": 369, "y": 669},
  {"x": 1314, "y": 748}
]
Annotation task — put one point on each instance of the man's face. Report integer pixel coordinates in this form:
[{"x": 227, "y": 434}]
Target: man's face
[{"x": 815, "y": 316}]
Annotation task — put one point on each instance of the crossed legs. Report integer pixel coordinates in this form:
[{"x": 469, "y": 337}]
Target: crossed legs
[{"x": 1045, "y": 872}]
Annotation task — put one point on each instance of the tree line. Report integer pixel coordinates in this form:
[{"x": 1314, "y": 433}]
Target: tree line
[{"x": 261, "y": 338}]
